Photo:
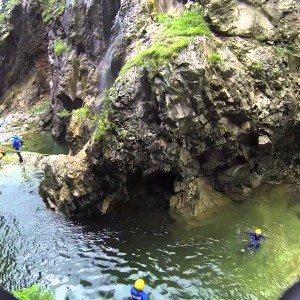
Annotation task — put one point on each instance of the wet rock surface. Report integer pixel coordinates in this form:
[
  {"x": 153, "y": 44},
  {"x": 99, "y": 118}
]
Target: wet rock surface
[{"x": 234, "y": 124}]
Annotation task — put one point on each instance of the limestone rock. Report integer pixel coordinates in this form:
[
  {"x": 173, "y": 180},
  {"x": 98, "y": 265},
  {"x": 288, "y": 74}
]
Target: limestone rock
[{"x": 192, "y": 124}]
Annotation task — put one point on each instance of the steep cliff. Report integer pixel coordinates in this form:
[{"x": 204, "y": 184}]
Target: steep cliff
[
  {"x": 204, "y": 108},
  {"x": 24, "y": 66},
  {"x": 220, "y": 109},
  {"x": 50, "y": 52}
]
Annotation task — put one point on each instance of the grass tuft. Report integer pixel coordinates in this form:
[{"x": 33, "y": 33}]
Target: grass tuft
[
  {"x": 34, "y": 293},
  {"x": 60, "y": 47},
  {"x": 81, "y": 113},
  {"x": 190, "y": 23},
  {"x": 215, "y": 59},
  {"x": 64, "y": 114},
  {"x": 177, "y": 34},
  {"x": 103, "y": 123},
  {"x": 158, "y": 54},
  {"x": 40, "y": 108},
  {"x": 52, "y": 9}
]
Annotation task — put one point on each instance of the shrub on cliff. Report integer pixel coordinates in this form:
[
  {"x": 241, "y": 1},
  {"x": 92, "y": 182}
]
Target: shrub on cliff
[
  {"x": 176, "y": 35},
  {"x": 103, "y": 124},
  {"x": 81, "y": 113},
  {"x": 34, "y": 293},
  {"x": 190, "y": 23},
  {"x": 215, "y": 59},
  {"x": 52, "y": 9},
  {"x": 158, "y": 54},
  {"x": 5, "y": 12},
  {"x": 60, "y": 47},
  {"x": 40, "y": 108}
]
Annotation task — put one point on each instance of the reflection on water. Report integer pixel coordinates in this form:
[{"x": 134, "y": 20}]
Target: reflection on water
[
  {"x": 101, "y": 259},
  {"x": 43, "y": 142}
]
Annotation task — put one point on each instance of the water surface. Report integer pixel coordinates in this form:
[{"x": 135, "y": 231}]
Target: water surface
[
  {"x": 44, "y": 143},
  {"x": 96, "y": 259}
]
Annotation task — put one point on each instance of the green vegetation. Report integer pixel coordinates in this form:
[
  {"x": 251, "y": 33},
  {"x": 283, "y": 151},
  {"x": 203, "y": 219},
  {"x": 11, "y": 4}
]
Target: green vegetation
[
  {"x": 52, "y": 9},
  {"x": 176, "y": 36},
  {"x": 64, "y": 113},
  {"x": 8, "y": 159},
  {"x": 158, "y": 54},
  {"x": 190, "y": 23},
  {"x": 261, "y": 38},
  {"x": 60, "y": 47},
  {"x": 103, "y": 123},
  {"x": 103, "y": 126},
  {"x": 3, "y": 18},
  {"x": 288, "y": 50},
  {"x": 257, "y": 67},
  {"x": 5, "y": 12},
  {"x": 124, "y": 133},
  {"x": 81, "y": 113},
  {"x": 40, "y": 108},
  {"x": 34, "y": 293},
  {"x": 215, "y": 59}
]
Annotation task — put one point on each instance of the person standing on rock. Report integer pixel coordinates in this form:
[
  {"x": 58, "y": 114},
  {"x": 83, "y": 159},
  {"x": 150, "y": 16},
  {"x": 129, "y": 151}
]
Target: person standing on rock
[{"x": 17, "y": 144}]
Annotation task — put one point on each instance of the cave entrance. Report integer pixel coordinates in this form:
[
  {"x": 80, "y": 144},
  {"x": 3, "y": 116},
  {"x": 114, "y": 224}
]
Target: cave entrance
[
  {"x": 68, "y": 103},
  {"x": 152, "y": 190}
]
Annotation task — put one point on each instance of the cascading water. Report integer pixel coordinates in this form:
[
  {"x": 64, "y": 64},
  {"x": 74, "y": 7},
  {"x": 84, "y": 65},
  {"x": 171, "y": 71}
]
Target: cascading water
[
  {"x": 107, "y": 72},
  {"x": 107, "y": 77}
]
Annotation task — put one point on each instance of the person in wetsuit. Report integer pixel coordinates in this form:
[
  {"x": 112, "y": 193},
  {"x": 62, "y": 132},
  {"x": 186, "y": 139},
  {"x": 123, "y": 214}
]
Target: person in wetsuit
[
  {"x": 17, "y": 144},
  {"x": 255, "y": 240},
  {"x": 137, "y": 292}
]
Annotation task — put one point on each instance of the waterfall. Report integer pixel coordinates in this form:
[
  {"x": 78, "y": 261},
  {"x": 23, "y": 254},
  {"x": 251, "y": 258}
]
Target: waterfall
[{"x": 107, "y": 77}]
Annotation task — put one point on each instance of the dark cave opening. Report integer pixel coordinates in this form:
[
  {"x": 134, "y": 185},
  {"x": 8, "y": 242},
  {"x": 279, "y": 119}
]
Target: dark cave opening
[
  {"x": 80, "y": 48},
  {"x": 68, "y": 103},
  {"x": 152, "y": 190}
]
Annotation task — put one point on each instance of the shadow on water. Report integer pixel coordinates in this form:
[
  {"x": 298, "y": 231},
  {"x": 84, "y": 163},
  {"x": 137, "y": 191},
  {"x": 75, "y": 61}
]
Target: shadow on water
[{"x": 100, "y": 259}]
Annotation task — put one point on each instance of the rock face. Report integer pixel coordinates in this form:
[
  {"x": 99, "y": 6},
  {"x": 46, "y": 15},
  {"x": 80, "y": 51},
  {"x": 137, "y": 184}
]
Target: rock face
[
  {"x": 24, "y": 65},
  {"x": 84, "y": 30},
  {"x": 234, "y": 123},
  {"x": 253, "y": 18},
  {"x": 55, "y": 59},
  {"x": 20, "y": 49},
  {"x": 213, "y": 123}
]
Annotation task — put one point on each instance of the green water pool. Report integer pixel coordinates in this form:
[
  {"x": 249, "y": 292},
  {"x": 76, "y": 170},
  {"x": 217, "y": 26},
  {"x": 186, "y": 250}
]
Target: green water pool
[{"x": 101, "y": 258}]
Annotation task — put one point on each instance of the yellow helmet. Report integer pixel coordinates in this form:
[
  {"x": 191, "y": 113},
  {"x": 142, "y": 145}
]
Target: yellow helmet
[
  {"x": 258, "y": 231},
  {"x": 139, "y": 284}
]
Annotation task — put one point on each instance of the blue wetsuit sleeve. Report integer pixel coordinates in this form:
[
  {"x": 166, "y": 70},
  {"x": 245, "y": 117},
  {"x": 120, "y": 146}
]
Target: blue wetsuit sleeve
[{"x": 144, "y": 296}]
